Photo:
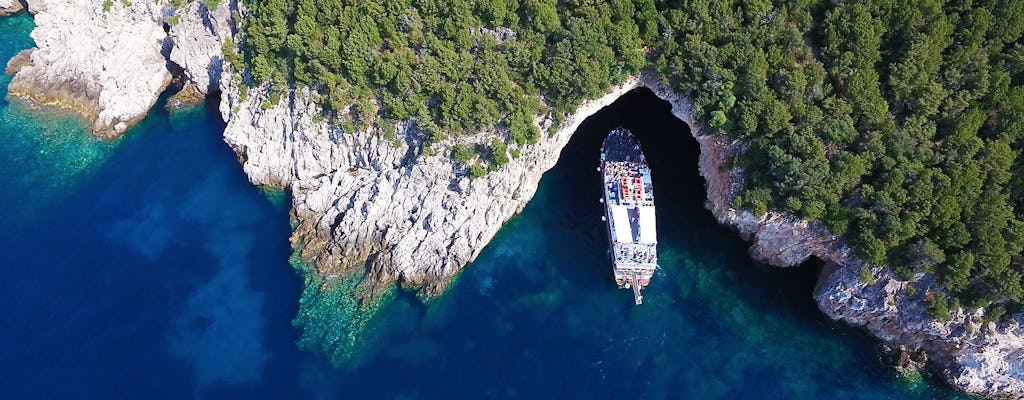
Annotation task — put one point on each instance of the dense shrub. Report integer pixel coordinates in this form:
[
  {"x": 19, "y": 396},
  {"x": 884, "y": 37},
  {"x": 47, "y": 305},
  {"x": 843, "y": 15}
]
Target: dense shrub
[{"x": 897, "y": 124}]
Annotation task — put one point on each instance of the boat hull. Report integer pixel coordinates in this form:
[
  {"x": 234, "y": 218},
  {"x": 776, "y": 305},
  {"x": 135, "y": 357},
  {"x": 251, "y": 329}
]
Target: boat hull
[{"x": 629, "y": 211}]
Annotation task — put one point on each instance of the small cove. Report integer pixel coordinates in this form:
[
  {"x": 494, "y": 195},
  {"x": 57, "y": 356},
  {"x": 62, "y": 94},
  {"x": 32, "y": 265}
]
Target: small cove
[{"x": 150, "y": 267}]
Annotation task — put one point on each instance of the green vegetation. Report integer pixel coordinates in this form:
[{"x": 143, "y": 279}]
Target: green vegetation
[
  {"x": 477, "y": 171},
  {"x": 463, "y": 154},
  {"x": 451, "y": 66},
  {"x": 107, "y": 4},
  {"x": 897, "y": 124},
  {"x": 498, "y": 152}
]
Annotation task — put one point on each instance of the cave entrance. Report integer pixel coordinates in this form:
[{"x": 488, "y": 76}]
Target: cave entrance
[
  {"x": 672, "y": 154},
  {"x": 668, "y": 145},
  {"x": 684, "y": 224}
]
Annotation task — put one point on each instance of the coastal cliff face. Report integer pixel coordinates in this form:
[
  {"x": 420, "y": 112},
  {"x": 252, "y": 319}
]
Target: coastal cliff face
[
  {"x": 109, "y": 62},
  {"x": 361, "y": 200},
  {"x": 196, "y": 41},
  {"x": 369, "y": 198},
  {"x": 370, "y": 202},
  {"x": 104, "y": 64},
  {"x": 978, "y": 357}
]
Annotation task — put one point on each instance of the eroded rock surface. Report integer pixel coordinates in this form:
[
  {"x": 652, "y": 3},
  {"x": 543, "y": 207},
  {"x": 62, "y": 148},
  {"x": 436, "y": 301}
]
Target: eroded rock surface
[
  {"x": 196, "y": 41},
  {"x": 976, "y": 356},
  {"x": 362, "y": 197},
  {"x": 19, "y": 60},
  {"x": 416, "y": 220},
  {"x": 109, "y": 61},
  {"x": 972, "y": 355},
  {"x": 369, "y": 199},
  {"x": 105, "y": 64}
]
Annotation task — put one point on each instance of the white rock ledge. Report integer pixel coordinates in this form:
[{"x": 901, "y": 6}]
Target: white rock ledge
[
  {"x": 105, "y": 65},
  {"x": 410, "y": 218},
  {"x": 415, "y": 220},
  {"x": 111, "y": 65}
]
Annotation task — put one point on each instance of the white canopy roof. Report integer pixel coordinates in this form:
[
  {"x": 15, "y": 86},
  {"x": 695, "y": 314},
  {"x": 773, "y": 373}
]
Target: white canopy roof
[
  {"x": 620, "y": 222},
  {"x": 648, "y": 229}
]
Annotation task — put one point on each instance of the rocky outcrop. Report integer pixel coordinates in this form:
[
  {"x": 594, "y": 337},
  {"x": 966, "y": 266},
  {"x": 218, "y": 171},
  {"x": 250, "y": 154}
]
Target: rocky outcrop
[
  {"x": 109, "y": 60},
  {"x": 187, "y": 96},
  {"x": 904, "y": 359},
  {"x": 360, "y": 197},
  {"x": 371, "y": 201},
  {"x": 361, "y": 200},
  {"x": 105, "y": 64},
  {"x": 8, "y": 7},
  {"x": 983, "y": 358},
  {"x": 979, "y": 357},
  {"x": 196, "y": 40},
  {"x": 19, "y": 60}
]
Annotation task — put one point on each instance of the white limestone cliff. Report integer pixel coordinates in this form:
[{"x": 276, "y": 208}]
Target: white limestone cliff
[
  {"x": 196, "y": 41},
  {"x": 360, "y": 197},
  {"x": 414, "y": 219},
  {"x": 108, "y": 61},
  {"x": 105, "y": 64},
  {"x": 372, "y": 197}
]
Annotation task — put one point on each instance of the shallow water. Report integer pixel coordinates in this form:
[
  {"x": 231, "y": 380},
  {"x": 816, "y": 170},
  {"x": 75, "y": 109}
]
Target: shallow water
[{"x": 151, "y": 268}]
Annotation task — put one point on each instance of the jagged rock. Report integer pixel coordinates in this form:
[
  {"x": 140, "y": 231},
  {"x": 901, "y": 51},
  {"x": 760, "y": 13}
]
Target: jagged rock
[
  {"x": 904, "y": 359},
  {"x": 196, "y": 39},
  {"x": 111, "y": 65},
  {"x": 370, "y": 198},
  {"x": 106, "y": 65},
  {"x": 988, "y": 362},
  {"x": 972, "y": 355},
  {"x": 414, "y": 219},
  {"x": 18, "y": 61},
  {"x": 189, "y": 95},
  {"x": 8, "y": 7},
  {"x": 359, "y": 197}
]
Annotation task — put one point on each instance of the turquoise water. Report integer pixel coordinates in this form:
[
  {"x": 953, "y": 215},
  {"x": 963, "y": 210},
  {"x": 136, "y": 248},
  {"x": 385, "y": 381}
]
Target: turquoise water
[
  {"x": 49, "y": 148},
  {"x": 151, "y": 268}
]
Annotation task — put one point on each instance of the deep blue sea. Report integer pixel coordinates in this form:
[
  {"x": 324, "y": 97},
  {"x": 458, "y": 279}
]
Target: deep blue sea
[{"x": 150, "y": 268}]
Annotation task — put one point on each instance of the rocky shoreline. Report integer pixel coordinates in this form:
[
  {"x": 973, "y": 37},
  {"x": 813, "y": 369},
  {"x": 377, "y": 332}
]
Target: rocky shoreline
[
  {"x": 371, "y": 201},
  {"x": 971, "y": 354},
  {"x": 414, "y": 220},
  {"x": 104, "y": 64},
  {"x": 111, "y": 62}
]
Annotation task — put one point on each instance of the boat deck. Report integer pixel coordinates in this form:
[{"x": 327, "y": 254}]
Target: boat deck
[{"x": 629, "y": 209}]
